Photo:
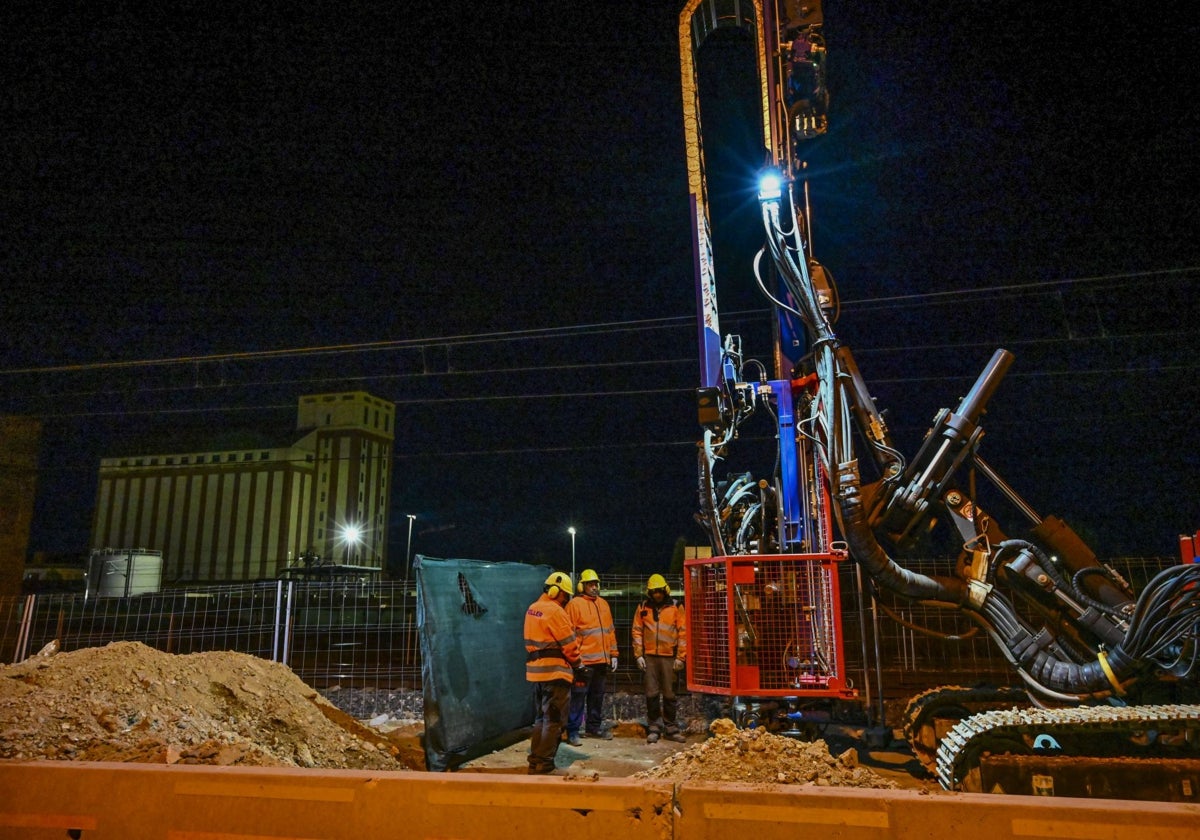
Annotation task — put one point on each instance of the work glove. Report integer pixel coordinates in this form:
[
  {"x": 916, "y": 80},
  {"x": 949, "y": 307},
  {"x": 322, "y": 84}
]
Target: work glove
[
  {"x": 641, "y": 660},
  {"x": 678, "y": 664},
  {"x": 614, "y": 663}
]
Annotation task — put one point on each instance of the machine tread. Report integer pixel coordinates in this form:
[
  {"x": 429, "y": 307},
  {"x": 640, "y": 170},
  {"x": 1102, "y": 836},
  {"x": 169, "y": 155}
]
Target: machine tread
[{"x": 959, "y": 750}]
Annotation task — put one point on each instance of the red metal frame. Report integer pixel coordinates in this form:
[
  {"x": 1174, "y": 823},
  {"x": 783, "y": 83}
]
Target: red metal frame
[{"x": 766, "y": 625}]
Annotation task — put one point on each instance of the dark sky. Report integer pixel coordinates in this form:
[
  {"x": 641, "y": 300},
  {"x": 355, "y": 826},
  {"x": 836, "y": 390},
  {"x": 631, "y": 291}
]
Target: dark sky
[{"x": 484, "y": 214}]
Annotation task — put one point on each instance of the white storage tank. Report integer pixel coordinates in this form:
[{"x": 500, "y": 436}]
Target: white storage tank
[{"x": 122, "y": 572}]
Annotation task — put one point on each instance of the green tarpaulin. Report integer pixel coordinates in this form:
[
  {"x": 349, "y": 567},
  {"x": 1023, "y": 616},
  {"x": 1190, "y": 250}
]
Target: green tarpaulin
[{"x": 470, "y": 619}]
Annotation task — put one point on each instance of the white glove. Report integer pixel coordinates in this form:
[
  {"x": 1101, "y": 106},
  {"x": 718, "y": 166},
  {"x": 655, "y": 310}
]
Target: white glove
[
  {"x": 614, "y": 663},
  {"x": 678, "y": 664},
  {"x": 641, "y": 660}
]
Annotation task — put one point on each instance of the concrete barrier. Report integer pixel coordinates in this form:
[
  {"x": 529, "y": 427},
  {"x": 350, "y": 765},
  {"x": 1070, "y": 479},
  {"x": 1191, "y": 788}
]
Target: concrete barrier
[
  {"x": 92, "y": 801},
  {"x": 767, "y": 812},
  {"x": 106, "y": 800}
]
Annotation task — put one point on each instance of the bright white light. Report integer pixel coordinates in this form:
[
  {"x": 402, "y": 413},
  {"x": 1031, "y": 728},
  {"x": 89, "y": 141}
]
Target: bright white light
[
  {"x": 770, "y": 186},
  {"x": 351, "y": 534}
]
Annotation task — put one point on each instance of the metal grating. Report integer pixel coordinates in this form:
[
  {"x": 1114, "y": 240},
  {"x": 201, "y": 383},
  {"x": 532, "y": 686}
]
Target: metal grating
[
  {"x": 708, "y": 627},
  {"x": 766, "y": 625}
]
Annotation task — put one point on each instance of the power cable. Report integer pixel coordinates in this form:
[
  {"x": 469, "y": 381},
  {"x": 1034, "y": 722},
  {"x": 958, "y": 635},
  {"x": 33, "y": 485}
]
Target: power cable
[{"x": 603, "y": 327}]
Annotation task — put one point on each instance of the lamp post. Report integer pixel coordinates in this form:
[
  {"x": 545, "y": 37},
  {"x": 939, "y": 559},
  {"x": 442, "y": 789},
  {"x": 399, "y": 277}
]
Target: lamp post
[
  {"x": 571, "y": 531},
  {"x": 412, "y": 517}
]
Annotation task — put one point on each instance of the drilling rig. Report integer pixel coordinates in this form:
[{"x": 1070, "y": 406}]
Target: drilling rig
[{"x": 1104, "y": 677}]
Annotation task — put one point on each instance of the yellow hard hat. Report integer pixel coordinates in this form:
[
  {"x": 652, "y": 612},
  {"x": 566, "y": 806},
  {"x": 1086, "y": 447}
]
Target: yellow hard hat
[
  {"x": 589, "y": 575},
  {"x": 657, "y": 582},
  {"x": 557, "y": 583}
]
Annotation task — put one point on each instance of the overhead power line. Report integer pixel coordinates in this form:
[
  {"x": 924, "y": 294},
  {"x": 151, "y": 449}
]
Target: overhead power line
[{"x": 601, "y": 327}]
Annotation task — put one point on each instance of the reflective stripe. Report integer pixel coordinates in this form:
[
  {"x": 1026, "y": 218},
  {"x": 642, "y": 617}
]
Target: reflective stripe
[{"x": 531, "y": 645}]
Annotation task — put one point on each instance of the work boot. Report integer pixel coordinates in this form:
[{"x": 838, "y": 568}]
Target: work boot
[
  {"x": 603, "y": 734},
  {"x": 652, "y": 738},
  {"x": 677, "y": 737},
  {"x": 574, "y": 740}
]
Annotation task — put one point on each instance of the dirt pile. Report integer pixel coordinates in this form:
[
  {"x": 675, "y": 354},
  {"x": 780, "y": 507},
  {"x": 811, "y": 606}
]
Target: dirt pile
[
  {"x": 757, "y": 756},
  {"x": 129, "y": 702}
]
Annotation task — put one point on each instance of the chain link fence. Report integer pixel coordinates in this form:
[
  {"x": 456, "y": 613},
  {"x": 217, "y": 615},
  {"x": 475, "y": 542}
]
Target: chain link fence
[{"x": 362, "y": 636}]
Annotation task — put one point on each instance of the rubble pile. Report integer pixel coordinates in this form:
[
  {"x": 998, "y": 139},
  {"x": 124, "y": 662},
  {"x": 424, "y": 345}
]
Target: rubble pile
[
  {"x": 129, "y": 702},
  {"x": 757, "y": 756}
]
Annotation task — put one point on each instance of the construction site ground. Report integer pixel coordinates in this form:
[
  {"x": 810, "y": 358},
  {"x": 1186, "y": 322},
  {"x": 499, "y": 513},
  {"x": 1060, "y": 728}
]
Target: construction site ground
[
  {"x": 628, "y": 754},
  {"x": 127, "y": 702},
  {"x": 126, "y": 741}
]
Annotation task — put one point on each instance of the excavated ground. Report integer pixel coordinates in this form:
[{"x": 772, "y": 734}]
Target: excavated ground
[
  {"x": 755, "y": 755},
  {"x": 130, "y": 702}
]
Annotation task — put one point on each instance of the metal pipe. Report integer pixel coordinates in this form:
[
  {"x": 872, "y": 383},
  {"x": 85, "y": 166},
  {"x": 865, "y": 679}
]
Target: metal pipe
[{"x": 1009, "y": 493}]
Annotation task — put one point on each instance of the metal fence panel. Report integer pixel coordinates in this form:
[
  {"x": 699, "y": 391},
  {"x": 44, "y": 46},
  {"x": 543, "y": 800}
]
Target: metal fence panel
[{"x": 351, "y": 635}]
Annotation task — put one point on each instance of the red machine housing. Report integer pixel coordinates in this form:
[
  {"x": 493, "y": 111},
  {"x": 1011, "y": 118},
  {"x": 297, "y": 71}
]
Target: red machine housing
[{"x": 765, "y": 625}]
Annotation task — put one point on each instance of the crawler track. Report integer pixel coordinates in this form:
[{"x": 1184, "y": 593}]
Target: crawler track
[
  {"x": 1093, "y": 731},
  {"x": 931, "y": 714}
]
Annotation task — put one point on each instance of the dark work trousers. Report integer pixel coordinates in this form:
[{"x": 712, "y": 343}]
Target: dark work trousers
[
  {"x": 587, "y": 693},
  {"x": 550, "y": 700},
  {"x": 661, "y": 705}
]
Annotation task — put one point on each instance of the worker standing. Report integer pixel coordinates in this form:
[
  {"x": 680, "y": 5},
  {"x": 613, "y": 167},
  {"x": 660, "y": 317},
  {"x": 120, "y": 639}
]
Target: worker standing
[
  {"x": 660, "y": 646},
  {"x": 551, "y": 659},
  {"x": 593, "y": 622}
]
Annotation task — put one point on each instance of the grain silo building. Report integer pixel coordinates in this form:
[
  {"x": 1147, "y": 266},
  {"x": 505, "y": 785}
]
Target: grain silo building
[{"x": 239, "y": 514}]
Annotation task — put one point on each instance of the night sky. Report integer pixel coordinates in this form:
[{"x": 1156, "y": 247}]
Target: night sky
[{"x": 482, "y": 216}]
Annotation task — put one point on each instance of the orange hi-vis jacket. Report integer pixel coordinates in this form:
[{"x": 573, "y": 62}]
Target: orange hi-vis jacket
[
  {"x": 659, "y": 631},
  {"x": 593, "y": 623},
  {"x": 552, "y": 651}
]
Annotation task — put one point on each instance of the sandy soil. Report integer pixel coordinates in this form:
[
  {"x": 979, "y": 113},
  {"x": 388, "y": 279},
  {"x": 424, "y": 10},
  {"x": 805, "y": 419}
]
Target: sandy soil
[{"x": 130, "y": 702}]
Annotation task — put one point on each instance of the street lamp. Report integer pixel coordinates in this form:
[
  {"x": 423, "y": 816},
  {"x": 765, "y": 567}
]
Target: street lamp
[
  {"x": 350, "y": 536},
  {"x": 571, "y": 531},
  {"x": 412, "y": 517}
]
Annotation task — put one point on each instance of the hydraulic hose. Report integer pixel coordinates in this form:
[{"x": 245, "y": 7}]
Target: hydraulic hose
[
  {"x": 867, "y": 552},
  {"x": 1102, "y": 676},
  {"x": 1030, "y": 652}
]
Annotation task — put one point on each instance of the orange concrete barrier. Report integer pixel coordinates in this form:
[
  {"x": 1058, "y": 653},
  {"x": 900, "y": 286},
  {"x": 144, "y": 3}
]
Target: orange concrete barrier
[
  {"x": 713, "y": 810},
  {"x": 103, "y": 800},
  {"x": 46, "y": 799}
]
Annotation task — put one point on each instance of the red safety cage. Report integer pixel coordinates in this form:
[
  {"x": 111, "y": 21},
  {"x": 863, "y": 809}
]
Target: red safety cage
[{"x": 765, "y": 625}]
